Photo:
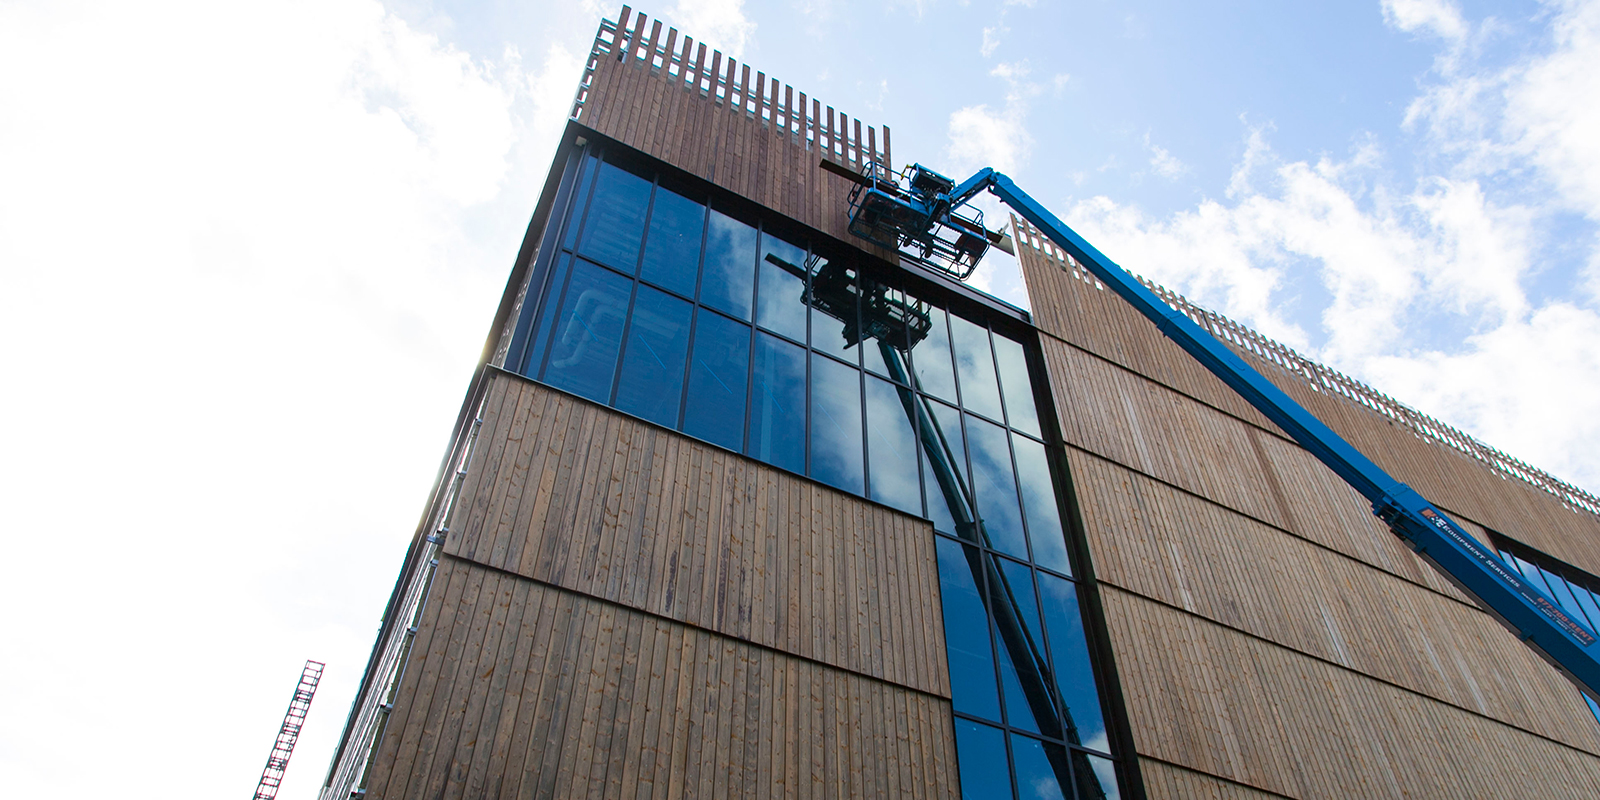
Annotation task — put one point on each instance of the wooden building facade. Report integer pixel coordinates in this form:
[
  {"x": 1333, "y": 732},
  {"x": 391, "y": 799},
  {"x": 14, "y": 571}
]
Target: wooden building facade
[{"x": 605, "y": 599}]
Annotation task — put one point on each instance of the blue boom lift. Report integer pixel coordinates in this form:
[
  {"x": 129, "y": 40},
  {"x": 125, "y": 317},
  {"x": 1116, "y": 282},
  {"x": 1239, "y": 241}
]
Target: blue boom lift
[{"x": 924, "y": 215}]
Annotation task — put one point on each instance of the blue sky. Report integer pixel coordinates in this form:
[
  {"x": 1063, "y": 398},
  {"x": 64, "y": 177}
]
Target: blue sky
[{"x": 249, "y": 253}]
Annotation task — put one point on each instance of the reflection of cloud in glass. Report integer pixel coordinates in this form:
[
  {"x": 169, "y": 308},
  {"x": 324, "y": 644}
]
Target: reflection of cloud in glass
[
  {"x": 727, "y": 282},
  {"x": 836, "y": 424},
  {"x": 891, "y": 448},
  {"x": 1014, "y": 379},
  {"x": 1043, "y": 789},
  {"x": 995, "y": 487},
  {"x": 975, "y": 365},
  {"x": 1106, "y": 773},
  {"x": 931, "y": 360}
]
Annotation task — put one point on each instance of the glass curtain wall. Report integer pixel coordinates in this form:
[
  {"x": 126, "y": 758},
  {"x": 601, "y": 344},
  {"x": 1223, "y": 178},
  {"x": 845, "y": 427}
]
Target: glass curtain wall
[
  {"x": 1576, "y": 591},
  {"x": 667, "y": 304}
]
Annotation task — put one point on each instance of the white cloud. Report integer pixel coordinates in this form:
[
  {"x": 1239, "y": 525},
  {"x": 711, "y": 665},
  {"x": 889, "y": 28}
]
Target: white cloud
[
  {"x": 980, "y": 135},
  {"x": 1423, "y": 290},
  {"x": 1439, "y": 17},
  {"x": 991, "y": 40},
  {"x": 1163, "y": 162},
  {"x": 552, "y": 90},
  {"x": 876, "y": 104},
  {"x": 241, "y": 257},
  {"x": 1546, "y": 117},
  {"x": 721, "y": 24}
]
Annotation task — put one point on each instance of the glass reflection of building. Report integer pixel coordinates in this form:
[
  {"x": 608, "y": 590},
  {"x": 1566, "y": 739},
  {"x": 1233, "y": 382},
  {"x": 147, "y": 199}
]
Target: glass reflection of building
[{"x": 670, "y": 301}]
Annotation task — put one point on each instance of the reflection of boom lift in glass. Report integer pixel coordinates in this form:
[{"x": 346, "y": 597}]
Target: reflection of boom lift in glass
[
  {"x": 909, "y": 217},
  {"x": 898, "y": 325}
]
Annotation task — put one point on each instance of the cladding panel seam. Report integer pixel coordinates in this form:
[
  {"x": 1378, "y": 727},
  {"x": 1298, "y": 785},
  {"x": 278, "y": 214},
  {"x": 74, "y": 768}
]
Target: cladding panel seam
[
  {"x": 1270, "y": 475},
  {"x": 1341, "y": 667},
  {"x": 539, "y": 465},
  {"x": 1527, "y": 508},
  {"x": 1274, "y": 526},
  {"x": 721, "y": 634},
  {"x": 1270, "y": 356},
  {"x": 624, "y": 701},
  {"x": 1153, "y": 781}
]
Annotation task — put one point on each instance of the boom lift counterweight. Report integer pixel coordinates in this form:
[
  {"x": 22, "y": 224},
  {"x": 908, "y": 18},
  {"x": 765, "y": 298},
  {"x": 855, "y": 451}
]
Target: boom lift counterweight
[{"x": 922, "y": 218}]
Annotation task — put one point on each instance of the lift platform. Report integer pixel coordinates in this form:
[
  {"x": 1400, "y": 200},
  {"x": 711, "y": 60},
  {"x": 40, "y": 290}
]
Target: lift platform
[{"x": 948, "y": 240}]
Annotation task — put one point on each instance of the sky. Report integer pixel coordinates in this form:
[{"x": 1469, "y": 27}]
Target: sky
[{"x": 249, "y": 253}]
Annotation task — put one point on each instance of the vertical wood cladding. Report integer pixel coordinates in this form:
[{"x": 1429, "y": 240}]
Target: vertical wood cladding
[
  {"x": 577, "y": 495},
  {"x": 1163, "y": 544},
  {"x": 519, "y": 689},
  {"x": 755, "y": 144},
  {"x": 1268, "y": 630},
  {"x": 1204, "y": 696}
]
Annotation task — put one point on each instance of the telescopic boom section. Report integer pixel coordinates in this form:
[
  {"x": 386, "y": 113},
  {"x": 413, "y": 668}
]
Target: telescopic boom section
[{"x": 1526, "y": 611}]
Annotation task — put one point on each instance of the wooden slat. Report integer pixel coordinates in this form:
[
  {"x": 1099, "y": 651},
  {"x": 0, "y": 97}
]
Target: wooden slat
[
  {"x": 1166, "y": 545},
  {"x": 592, "y": 500},
  {"x": 1353, "y": 737}
]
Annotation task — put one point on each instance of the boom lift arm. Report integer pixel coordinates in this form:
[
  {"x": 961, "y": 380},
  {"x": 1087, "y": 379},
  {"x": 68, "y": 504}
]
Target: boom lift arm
[
  {"x": 897, "y": 324},
  {"x": 914, "y": 216}
]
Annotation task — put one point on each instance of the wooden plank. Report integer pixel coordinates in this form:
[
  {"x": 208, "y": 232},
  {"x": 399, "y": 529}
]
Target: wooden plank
[
  {"x": 1322, "y": 722},
  {"x": 480, "y": 719}
]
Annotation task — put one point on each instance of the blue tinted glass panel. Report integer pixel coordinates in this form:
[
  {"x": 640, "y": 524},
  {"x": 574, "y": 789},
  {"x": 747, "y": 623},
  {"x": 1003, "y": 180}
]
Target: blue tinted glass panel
[
  {"x": 583, "y": 355},
  {"x": 892, "y": 447},
  {"x": 1019, "y": 586},
  {"x": 1563, "y": 595},
  {"x": 1533, "y": 575},
  {"x": 672, "y": 251},
  {"x": 1019, "y": 712},
  {"x": 547, "y": 317},
  {"x": 1020, "y": 411},
  {"x": 981, "y": 755},
  {"x": 729, "y": 279},
  {"x": 836, "y": 424},
  {"x": 1070, "y": 652},
  {"x": 1594, "y": 708},
  {"x": 615, "y": 226},
  {"x": 1506, "y": 557},
  {"x": 580, "y": 198},
  {"x": 781, "y": 306},
  {"x": 1022, "y": 651},
  {"x": 975, "y": 364},
  {"x": 778, "y": 404},
  {"x": 930, "y": 359},
  {"x": 717, "y": 375},
  {"x": 966, "y": 631},
  {"x": 835, "y": 297},
  {"x": 995, "y": 487},
  {"x": 1039, "y": 504},
  {"x": 1587, "y": 600},
  {"x": 1105, "y": 779},
  {"x": 651, "y": 384},
  {"x": 946, "y": 485},
  {"x": 1040, "y": 776}
]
